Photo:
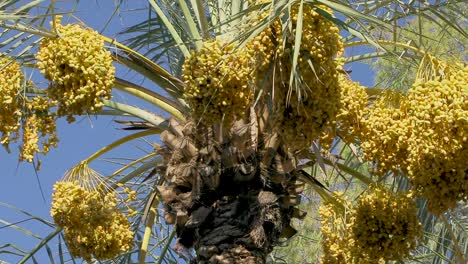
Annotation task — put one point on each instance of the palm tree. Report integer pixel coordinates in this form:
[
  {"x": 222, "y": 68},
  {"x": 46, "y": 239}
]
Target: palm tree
[{"x": 247, "y": 88}]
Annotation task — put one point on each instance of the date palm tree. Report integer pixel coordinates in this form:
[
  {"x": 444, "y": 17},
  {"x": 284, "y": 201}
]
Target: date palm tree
[{"x": 226, "y": 176}]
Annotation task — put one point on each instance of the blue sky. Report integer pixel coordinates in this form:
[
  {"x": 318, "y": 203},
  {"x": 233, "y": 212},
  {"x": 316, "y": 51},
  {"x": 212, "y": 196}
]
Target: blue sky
[{"x": 19, "y": 186}]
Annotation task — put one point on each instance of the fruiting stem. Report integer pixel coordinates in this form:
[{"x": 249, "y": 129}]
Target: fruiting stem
[
  {"x": 54, "y": 21},
  {"x": 147, "y": 234},
  {"x": 35, "y": 90}
]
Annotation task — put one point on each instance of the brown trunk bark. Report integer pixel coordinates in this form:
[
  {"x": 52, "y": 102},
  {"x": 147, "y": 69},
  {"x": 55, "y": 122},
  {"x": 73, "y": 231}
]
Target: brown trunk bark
[
  {"x": 231, "y": 202},
  {"x": 243, "y": 229}
]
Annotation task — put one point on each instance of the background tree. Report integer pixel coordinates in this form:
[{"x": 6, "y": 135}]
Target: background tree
[
  {"x": 199, "y": 162},
  {"x": 430, "y": 32}
]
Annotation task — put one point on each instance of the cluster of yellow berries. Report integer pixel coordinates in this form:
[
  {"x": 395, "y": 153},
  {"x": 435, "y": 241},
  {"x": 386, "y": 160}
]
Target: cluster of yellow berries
[
  {"x": 217, "y": 82},
  {"x": 267, "y": 45},
  {"x": 438, "y": 147},
  {"x": 309, "y": 108},
  {"x": 11, "y": 80},
  {"x": 81, "y": 73},
  {"x": 38, "y": 124},
  {"x": 91, "y": 220},
  {"x": 386, "y": 133},
  {"x": 17, "y": 110},
  {"x": 335, "y": 242},
  {"x": 432, "y": 68},
  {"x": 382, "y": 226},
  {"x": 349, "y": 119},
  {"x": 424, "y": 134},
  {"x": 79, "y": 67}
]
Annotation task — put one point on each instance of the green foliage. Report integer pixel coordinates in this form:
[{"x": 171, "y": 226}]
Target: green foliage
[
  {"x": 305, "y": 246},
  {"x": 429, "y": 33}
]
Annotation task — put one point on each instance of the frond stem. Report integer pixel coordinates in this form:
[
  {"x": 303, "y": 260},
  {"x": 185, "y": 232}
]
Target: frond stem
[
  {"x": 128, "y": 50},
  {"x": 22, "y": 28},
  {"x": 154, "y": 119},
  {"x": 40, "y": 245},
  {"x": 152, "y": 154},
  {"x": 458, "y": 251},
  {"x": 149, "y": 96},
  {"x": 166, "y": 247},
  {"x": 363, "y": 178},
  {"x": 138, "y": 171},
  {"x": 121, "y": 141},
  {"x": 387, "y": 42},
  {"x": 193, "y": 31},
  {"x": 329, "y": 197}
]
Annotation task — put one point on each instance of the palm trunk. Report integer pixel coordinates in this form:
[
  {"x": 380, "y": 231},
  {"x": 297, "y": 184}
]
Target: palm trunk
[
  {"x": 239, "y": 229},
  {"x": 230, "y": 202}
]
